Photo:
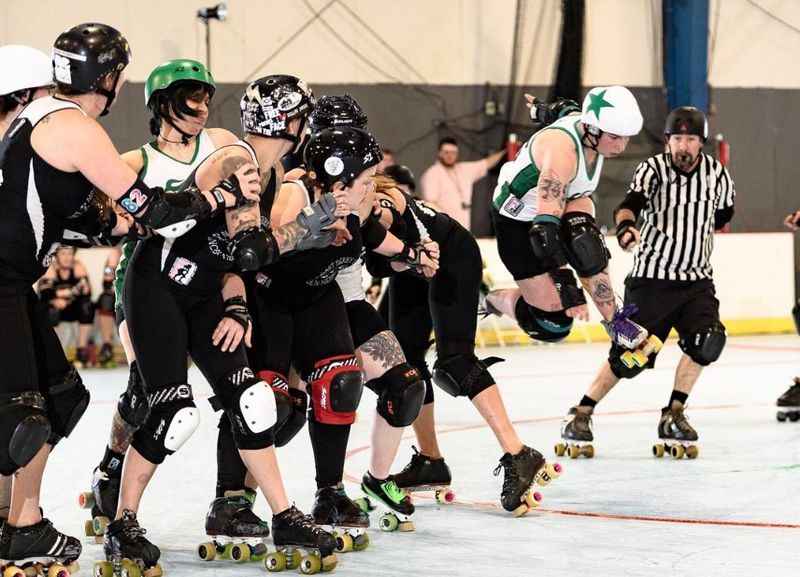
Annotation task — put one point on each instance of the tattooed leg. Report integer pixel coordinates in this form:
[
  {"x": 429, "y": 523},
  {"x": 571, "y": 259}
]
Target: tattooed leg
[
  {"x": 121, "y": 434},
  {"x": 601, "y": 293}
]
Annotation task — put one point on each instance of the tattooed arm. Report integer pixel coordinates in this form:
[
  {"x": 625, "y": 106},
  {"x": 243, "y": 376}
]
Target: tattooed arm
[{"x": 556, "y": 157}]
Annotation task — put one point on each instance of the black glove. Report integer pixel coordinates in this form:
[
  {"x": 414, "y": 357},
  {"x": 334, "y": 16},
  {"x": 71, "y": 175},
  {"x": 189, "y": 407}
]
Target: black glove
[
  {"x": 232, "y": 186},
  {"x": 546, "y": 113},
  {"x": 622, "y": 228},
  {"x": 236, "y": 309}
]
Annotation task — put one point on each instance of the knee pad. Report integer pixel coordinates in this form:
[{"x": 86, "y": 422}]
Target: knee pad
[
  {"x": 132, "y": 405},
  {"x": 704, "y": 347},
  {"x": 24, "y": 429},
  {"x": 400, "y": 394},
  {"x": 540, "y": 325},
  {"x": 252, "y": 408},
  {"x": 292, "y": 406},
  {"x": 85, "y": 310},
  {"x": 336, "y": 387},
  {"x": 569, "y": 293},
  {"x": 106, "y": 303},
  {"x": 464, "y": 375},
  {"x": 172, "y": 420},
  {"x": 584, "y": 243},
  {"x": 66, "y": 402}
]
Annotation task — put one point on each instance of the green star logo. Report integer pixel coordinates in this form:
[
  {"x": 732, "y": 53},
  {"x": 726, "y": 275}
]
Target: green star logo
[{"x": 597, "y": 103}]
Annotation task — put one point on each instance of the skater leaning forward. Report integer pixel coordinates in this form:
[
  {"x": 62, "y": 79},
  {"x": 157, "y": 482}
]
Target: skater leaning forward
[{"x": 680, "y": 197}]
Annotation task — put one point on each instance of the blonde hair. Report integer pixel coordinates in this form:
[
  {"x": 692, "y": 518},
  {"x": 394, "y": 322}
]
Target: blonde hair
[{"x": 383, "y": 183}]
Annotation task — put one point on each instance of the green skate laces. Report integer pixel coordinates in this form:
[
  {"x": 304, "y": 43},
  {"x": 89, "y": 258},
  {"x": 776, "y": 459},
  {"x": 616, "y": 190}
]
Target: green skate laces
[{"x": 393, "y": 491}]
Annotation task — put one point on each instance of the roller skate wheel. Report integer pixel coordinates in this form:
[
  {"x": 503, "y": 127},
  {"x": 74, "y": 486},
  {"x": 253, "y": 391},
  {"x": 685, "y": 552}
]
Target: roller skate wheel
[
  {"x": 677, "y": 451},
  {"x": 574, "y": 451},
  {"x": 794, "y": 416},
  {"x": 99, "y": 524},
  {"x": 258, "y": 552},
  {"x": 207, "y": 551},
  {"x": 658, "y": 450},
  {"x": 86, "y": 500},
  {"x": 627, "y": 359},
  {"x": 13, "y": 571},
  {"x": 531, "y": 500},
  {"x": 33, "y": 570},
  {"x": 226, "y": 551},
  {"x": 73, "y": 568},
  {"x": 588, "y": 451},
  {"x": 364, "y": 504},
  {"x": 329, "y": 563},
  {"x": 521, "y": 510},
  {"x": 692, "y": 451},
  {"x": 406, "y": 526},
  {"x": 388, "y": 522},
  {"x": 445, "y": 496},
  {"x": 560, "y": 449},
  {"x": 344, "y": 543},
  {"x": 294, "y": 559},
  {"x": 154, "y": 571},
  {"x": 88, "y": 528},
  {"x": 103, "y": 569},
  {"x": 275, "y": 562},
  {"x": 240, "y": 552},
  {"x": 310, "y": 564},
  {"x": 131, "y": 571},
  {"x": 639, "y": 359},
  {"x": 554, "y": 470},
  {"x": 361, "y": 542},
  {"x": 781, "y": 416},
  {"x": 57, "y": 570}
]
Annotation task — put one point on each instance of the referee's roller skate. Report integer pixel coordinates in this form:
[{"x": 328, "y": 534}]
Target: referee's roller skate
[
  {"x": 128, "y": 553},
  {"x": 676, "y": 436},
  {"x": 236, "y": 532},
  {"x": 102, "y": 499},
  {"x": 294, "y": 533},
  {"x": 520, "y": 472},
  {"x": 335, "y": 512},
  {"x": 424, "y": 473},
  {"x": 576, "y": 434},
  {"x": 37, "y": 550},
  {"x": 396, "y": 502},
  {"x": 789, "y": 403}
]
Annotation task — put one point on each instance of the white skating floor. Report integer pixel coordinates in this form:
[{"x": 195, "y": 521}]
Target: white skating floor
[{"x": 733, "y": 511}]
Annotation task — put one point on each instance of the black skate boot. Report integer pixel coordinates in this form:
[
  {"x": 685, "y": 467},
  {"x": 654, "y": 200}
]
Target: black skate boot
[
  {"x": 81, "y": 358},
  {"x": 292, "y": 531},
  {"x": 38, "y": 548},
  {"x": 425, "y": 474},
  {"x": 576, "y": 434},
  {"x": 236, "y": 531},
  {"x": 103, "y": 497},
  {"x": 397, "y": 503},
  {"x": 677, "y": 436},
  {"x": 126, "y": 548},
  {"x": 520, "y": 472},
  {"x": 105, "y": 357},
  {"x": 334, "y": 511},
  {"x": 789, "y": 403}
]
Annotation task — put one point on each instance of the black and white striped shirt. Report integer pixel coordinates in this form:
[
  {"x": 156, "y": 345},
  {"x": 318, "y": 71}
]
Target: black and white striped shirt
[{"x": 677, "y": 234}]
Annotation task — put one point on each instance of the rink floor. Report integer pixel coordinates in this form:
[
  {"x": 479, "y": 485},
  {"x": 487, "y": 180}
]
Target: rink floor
[{"x": 733, "y": 511}]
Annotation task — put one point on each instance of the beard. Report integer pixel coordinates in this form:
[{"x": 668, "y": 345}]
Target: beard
[{"x": 683, "y": 160}]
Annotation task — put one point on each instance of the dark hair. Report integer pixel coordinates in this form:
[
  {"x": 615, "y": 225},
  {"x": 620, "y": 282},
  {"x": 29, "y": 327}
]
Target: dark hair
[
  {"x": 171, "y": 102},
  {"x": 447, "y": 140},
  {"x": 9, "y": 102}
]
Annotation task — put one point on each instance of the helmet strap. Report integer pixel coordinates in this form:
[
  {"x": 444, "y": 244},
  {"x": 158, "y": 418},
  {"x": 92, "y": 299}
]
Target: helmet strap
[
  {"x": 109, "y": 94},
  {"x": 591, "y": 139},
  {"x": 185, "y": 136}
]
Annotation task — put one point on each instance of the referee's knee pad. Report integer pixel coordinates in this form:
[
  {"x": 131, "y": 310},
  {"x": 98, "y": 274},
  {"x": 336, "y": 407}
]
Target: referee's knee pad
[
  {"x": 704, "y": 346},
  {"x": 336, "y": 387},
  {"x": 24, "y": 429},
  {"x": 132, "y": 406},
  {"x": 67, "y": 400},
  {"x": 291, "y": 404},
  {"x": 400, "y": 394},
  {"x": 172, "y": 420},
  {"x": 540, "y": 325},
  {"x": 464, "y": 375}
]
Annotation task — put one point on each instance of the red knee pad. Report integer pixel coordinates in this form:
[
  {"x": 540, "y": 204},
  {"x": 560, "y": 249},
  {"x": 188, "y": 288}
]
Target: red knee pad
[
  {"x": 336, "y": 387},
  {"x": 276, "y": 381}
]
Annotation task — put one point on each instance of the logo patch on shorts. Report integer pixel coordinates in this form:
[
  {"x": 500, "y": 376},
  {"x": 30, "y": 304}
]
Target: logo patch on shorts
[
  {"x": 182, "y": 271},
  {"x": 513, "y": 205}
]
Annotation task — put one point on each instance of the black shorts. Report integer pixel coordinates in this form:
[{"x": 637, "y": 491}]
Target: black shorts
[
  {"x": 687, "y": 306},
  {"x": 365, "y": 321},
  {"x": 514, "y": 247}
]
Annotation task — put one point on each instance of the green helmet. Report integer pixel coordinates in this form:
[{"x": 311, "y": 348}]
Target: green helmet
[{"x": 166, "y": 74}]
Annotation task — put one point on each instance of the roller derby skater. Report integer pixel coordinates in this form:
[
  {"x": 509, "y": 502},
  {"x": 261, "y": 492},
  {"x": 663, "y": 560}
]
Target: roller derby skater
[
  {"x": 424, "y": 473},
  {"x": 237, "y": 533},
  {"x": 666, "y": 289},
  {"x": 789, "y": 403}
]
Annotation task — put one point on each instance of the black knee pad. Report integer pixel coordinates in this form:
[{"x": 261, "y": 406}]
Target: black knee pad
[
  {"x": 705, "y": 346},
  {"x": 428, "y": 392},
  {"x": 66, "y": 403},
  {"x": 85, "y": 310},
  {"x": 540, "y": 325},
  {"x": 106, "y": 303},
  {"x": 585, "y": 245},
  {"x": 336, "y": 387},
  {"x": 400, "y": 394},
  {"x": 252, "y": 408},
  {"x": 620, "y": 370},
  {"x": 292, "y": 405},
  {"x": 132, "y": 405},
  {"x": 24, "y": 429},
  {"x": 172, "y": 420},
  {"x": 464, "y": 375}
]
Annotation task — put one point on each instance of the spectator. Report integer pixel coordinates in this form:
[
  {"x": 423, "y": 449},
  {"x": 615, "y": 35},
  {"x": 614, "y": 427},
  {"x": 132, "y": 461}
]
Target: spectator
[
  {"x": 448, "y": 183},
  {"x": 65, "y": 289}
]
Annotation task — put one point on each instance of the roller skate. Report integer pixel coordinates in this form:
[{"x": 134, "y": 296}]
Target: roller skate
[
  {"x": 236, "y": 532},
  {"x": 102, "y": 499},
  {"x": 81, "y": 358},
  {"x": 676, "y": 435},
  {"x": 789, "y": 403},
  {"x": 105, "y": 358},
  {"x": 521, "y": 471},
  {"x": 425, "y": 474},
  {"x": 335, "y": 512},
  {"x": 576, "y": 434},
  {"x": 397, "y": 503},
  {"x": 128, "y": 553},
  {"x": 292, "y": 532},
  {"x": 38, "y": 550},
  {"x": 640, "y": 356}
]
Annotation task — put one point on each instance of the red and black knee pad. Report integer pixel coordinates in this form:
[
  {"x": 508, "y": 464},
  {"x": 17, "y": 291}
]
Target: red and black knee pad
[{"x": 336, "y": 386}]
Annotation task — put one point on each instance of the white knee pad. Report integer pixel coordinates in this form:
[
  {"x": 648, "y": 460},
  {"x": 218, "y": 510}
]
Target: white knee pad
[
  {"x": 183, "y": 424},
  {"x": 257, "y": 407}
]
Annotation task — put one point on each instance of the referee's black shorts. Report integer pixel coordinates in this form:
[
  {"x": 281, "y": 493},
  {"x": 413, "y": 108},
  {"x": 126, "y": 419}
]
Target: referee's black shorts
[{"x": 687, "y": 306}]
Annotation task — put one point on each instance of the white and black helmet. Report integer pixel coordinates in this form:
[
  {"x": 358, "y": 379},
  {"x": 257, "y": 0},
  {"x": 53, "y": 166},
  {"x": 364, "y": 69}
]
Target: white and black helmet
[
  {"x": 341, "y": 154},
  {"x": 270, "y": 103},
  {"x": 611, "y": 109},
  {"x": 23, "y": 69}
]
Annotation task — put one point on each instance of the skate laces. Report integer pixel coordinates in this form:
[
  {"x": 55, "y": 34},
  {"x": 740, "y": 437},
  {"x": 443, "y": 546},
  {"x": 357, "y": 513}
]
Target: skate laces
[
  {"x": 130, "y": 526},
  {"x": 415, "y": 458},
  {"x": 680, "y": 421},
  {"x": 511, "y": 474},
  {"x": 304, "y": 521}
]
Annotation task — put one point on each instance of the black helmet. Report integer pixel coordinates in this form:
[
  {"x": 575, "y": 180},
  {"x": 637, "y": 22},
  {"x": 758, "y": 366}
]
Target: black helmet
[
  {"x": 336, "y": 111},
  {"x": 271, "y": 102},
  {"x": 341, "y": 154},
  {"x": 401, "y": 175},
  {"x": 85, "y": 54},
  {"x": 687, "y": 120}
]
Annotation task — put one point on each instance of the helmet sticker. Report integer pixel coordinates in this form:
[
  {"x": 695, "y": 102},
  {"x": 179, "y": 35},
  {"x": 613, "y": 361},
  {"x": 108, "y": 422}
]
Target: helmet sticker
[
  {"x": 289, "y": 101},
  {"x": 334, "y": 165},
  {"x": 61, "y": 69}
]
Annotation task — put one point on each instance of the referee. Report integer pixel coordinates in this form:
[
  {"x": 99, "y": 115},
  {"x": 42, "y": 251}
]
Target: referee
[{"x": 682, "y": 196}]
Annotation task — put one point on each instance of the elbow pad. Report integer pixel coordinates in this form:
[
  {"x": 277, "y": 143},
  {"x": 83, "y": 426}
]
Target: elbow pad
[{"x": 170, "y": 215}]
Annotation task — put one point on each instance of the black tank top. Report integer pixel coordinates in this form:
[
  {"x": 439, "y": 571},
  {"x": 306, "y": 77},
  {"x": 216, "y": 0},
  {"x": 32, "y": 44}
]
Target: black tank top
[{"x": 37, "y": 198}]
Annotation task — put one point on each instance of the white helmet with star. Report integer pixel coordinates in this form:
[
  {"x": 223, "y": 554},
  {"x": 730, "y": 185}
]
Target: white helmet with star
[{"x": 612, "y": 109}]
